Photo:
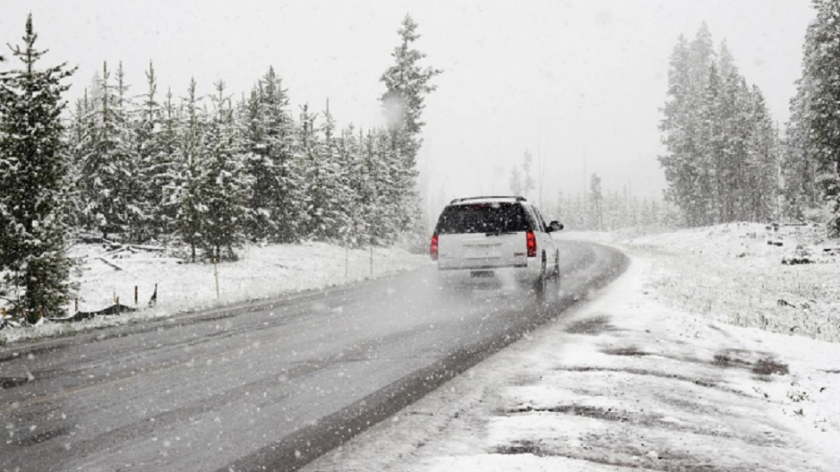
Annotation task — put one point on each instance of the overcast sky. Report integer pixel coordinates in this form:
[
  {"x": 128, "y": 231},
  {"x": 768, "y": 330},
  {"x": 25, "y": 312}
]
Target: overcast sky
[{"x": 579, "y": 83}]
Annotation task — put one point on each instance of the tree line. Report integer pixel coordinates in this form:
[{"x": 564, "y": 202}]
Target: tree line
[
  {"x": 600, "y": 210},
  {"x": 725, "y": 159},
  {"x": 722, "y": 148},
  {"x": 206, "y": 173}
]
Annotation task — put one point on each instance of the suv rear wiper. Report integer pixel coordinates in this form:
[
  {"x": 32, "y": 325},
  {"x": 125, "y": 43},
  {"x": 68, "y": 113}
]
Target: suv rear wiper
[{"x": 499, "y": 233}]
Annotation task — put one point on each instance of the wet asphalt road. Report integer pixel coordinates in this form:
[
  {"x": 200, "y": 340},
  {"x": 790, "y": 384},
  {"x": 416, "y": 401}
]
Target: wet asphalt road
[{"x": 263, "y": 386}]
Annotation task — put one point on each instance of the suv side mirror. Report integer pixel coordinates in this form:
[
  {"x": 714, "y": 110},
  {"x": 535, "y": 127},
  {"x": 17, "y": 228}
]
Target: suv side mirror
[{"x": 555, "y": 226}]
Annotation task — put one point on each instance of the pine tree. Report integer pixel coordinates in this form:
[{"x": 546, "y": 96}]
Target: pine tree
[
  {"x": 577, "y": 212},
  {"x": 166, "y": 175},
  {"x": 677, "y": 127},
  {"x": 154, "y": 163},
  {"x": 330, "y": 192},
  {"x": 596, "y": 200},
  {"x": 186, "y": 191},
  {"x": 223, "y": 186},
  {"x": 354, "y": 180},
  {"x": 722, "y": 150},
  {"x": 515, "y": 182},
  {"x": 527, "y": 181},
  {"x": 821, "y": 63},
  {"x": 33, "y": 172},
  {"x": 705, "y": 87},
  {"x": 799, "y": 167},
  {"x": 133, "y": 182},
  {"x": 407, "y": 84},
  {"x": 269, "y": 129},
  {"x": 394, "y": 190},
  {"x": 105, "y": 183},
  {"x": 762, "y": 162},
  {"x": 80, "y": 144},
  {"x": 739, "y": 124},
  {"x": 376, "y": 212},
  {"x": 309, "y": 157}
]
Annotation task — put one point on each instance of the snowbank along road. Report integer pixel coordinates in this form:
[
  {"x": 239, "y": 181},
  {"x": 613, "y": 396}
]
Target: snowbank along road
[{"x": 268, "y": 385}]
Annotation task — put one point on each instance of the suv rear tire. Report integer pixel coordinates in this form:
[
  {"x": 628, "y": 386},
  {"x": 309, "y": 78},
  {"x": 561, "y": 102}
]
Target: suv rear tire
[{"x": 539, "y": 285}]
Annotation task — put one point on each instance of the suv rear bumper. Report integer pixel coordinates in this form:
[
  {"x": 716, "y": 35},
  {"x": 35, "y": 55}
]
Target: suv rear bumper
[
  {"x": 527, "y": 271},
  {"x": 483, "y": 267}
]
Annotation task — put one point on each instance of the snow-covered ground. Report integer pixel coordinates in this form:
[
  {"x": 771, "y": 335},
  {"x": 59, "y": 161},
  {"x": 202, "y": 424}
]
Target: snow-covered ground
[
  {"x": 649, "y": 374},
  {"x": 260, "y": 272},
  {"x": 745, "y": 274}
]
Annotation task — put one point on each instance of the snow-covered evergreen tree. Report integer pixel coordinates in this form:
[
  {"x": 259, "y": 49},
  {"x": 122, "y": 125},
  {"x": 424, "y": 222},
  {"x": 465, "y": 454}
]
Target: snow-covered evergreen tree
[
  {"x": 80, "y": 144},
  {"x": 186, "y": 191},
  {"x": 166, "y": 175},
  {"x": 392, "y": 193},
  {"x": 596, "y": 199},
  {"x": 528, "y": 183},
  {"x": 677, "y": 126},
  {"x": 269, "y": 130},
  {"x": 722, "y": 150},
  {"x": 33, "y": 174},
  {"x": 353, "y": 184},
  {"x": 106, "y": 187},
  {"x": 134, "y": 184},
  {"x": 821, "y": 69},
  {"x": 798, "y": 165},
  {"x": 762, "y": 162},
  {"x": 328, "y": 189},
  {"x": 515, "y": 181},
  {"x": 224, "y": 185},
  {"x": 312, "y": 163},
  {"x": 407, "y": 84},
  {"x": 154, "y": 156},
  {"x": 376, "y": 216}
]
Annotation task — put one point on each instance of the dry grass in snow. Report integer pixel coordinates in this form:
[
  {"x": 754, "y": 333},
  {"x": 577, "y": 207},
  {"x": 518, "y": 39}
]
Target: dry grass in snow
[{"x": 734, "y": 273}]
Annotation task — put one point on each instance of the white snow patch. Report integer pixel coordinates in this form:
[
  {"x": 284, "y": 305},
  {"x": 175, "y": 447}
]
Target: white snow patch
[{"x": 260, "y": 273}]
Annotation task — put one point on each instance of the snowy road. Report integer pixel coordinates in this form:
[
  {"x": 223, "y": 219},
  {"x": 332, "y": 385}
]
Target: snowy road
[{"x": 271, "y": 384}]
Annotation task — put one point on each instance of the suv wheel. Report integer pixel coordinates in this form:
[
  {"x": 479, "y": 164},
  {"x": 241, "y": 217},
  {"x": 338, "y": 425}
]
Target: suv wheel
[{"x": 539, "y": 285}]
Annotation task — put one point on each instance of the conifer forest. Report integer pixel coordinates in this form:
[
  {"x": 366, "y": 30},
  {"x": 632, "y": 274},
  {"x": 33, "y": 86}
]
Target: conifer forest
[{"x": 206, "y": 174}]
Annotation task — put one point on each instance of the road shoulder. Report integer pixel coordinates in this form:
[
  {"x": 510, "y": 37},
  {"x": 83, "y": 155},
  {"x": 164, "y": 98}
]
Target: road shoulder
[{"x": 623, "y": 383}]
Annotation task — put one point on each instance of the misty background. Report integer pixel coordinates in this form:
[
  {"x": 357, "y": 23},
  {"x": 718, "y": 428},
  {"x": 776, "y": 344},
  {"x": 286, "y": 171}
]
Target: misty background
[{"x": 578, "y": 84}]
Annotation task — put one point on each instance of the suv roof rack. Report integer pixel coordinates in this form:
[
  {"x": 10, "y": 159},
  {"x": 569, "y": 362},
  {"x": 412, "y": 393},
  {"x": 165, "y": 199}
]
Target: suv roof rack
[{"x": 514, "y": 197}]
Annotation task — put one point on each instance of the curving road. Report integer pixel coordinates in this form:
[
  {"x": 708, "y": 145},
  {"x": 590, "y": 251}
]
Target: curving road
[{"x": 263, "y": 386}]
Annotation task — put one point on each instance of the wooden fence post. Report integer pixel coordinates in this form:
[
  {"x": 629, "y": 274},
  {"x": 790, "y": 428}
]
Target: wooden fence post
[{"x": 216, "y": 275}]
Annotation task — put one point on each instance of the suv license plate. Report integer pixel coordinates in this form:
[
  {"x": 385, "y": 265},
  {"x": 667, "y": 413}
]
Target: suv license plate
[{"x": 482, "y": 274}]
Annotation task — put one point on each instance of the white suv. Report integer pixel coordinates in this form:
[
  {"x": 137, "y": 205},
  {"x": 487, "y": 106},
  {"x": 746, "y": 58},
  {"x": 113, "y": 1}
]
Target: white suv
[{"x": 496, "y": 236}]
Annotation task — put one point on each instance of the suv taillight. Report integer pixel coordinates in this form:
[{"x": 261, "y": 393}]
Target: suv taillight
[
  {"x": 433, "y": 248},
  {"x": 531, "y": 242}
]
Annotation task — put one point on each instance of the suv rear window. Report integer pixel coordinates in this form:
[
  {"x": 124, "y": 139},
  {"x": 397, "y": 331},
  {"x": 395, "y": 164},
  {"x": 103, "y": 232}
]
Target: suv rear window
[{"x": 483, "y": 218}]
